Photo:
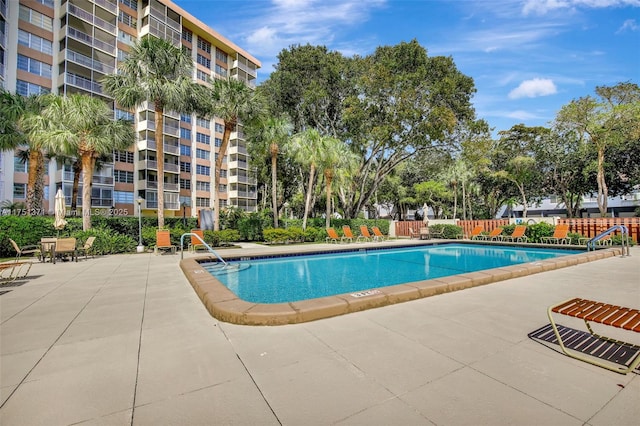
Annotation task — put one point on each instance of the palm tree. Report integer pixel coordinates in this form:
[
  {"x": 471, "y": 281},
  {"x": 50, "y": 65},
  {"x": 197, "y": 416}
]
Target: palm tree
[
  {"x": 159, "y": 72},
  {"x": 307, "y": 148},
  {"x": 234, "y": 102},
  {"x": 84, "y": 125},
  {"x": 16, "y": 111},
  {"x": 333, "y": 156},
  {"x": 272, "y": 134}
]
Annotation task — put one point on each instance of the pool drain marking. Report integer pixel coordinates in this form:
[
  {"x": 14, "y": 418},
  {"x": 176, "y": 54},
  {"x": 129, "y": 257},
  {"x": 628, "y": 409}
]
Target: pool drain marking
[{"x": 365, "y": 293}]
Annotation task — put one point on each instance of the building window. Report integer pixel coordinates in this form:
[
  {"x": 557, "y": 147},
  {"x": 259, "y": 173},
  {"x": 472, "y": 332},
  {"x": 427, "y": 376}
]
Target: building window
[
  {"x": 35, "y": 18},
  {"x": 218, "y": 142},
  {"x": 101, "y": 197},
  {"x": 133, "y": 4},
  {"x": 25, "y": 88},
  {"x": 220, "y": 55},
  {"x": 48, "y": 3},
  {"x": 203, "y": 122},
  {"x": 185, "y": 183},
  {"x": 185, "y": 118},
  {"x": 187, "y": 35},
  {"x": 20, "y": 190},
  {"x": 203, "y": 170},
  {"x": 219, "y": 128},
  {"x": 33, "y": 66},
  {"x": 185, "y": 150},
  {"x": 222, "y": 188},
  {"x": 125, "y": 37},
  {"x": 34, "y": 42},
  {"x": 202, "y": 138},
  {"x": 185, "y": 166},
  {"x": 220, "y": 71},
  {"x": 222, "y": 204},
  {"x": 123, "y": 176},
  {"x": 202, "y": 202},
  {"x": 201, "y": 75},
  {"x": 20, "y": 165},
  {"x": 123, "y": 157},
  {"x": 122, "y": 55},
  {"x": 201, "y": 153},
  {"x": 127, "y": 19},
  {"x": 123, "y": 197},
  {"x": 124, "y": 115},
  {"x": 203, "y": 61},
  {"x": 223, "y": 173},
  {"x": 203, "y": 186},
  {"x": 204, "y": 45},
  {"x": 185, "y": 134}
]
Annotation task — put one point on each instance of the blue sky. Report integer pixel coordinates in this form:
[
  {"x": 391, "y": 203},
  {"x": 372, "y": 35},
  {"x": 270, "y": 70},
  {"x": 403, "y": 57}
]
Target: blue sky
[{"x": 528, "y": 58}]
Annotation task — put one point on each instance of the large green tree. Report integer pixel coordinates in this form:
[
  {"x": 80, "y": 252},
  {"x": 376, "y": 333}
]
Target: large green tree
[
  {"x": 611, "y": 119},
  {"x": 307, "y": 150},
  {"x": 155, "y": 71},
  {"x": 335, "y": 157},
  {"x": 84, "y": 125},
  {"x": 17, "y": 126}
]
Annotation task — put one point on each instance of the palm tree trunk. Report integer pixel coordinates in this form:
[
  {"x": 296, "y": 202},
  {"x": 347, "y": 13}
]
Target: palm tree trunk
[
  {"x": 464, "y": 203},
  {"x": 603, "y": 191},
  {"x": 328, "y": 174},
  {"x": 88, "y": 163},
  {"x": 229, "y": 126},
  {"x": 159, "y": 119},
  {"x": 307, "y": 204},
  {"x": 455, "y": 201},
  {"x": 35, "y": 183},
  {"x": 274, "y": 189},
  {"x": 77, "y": 169}
]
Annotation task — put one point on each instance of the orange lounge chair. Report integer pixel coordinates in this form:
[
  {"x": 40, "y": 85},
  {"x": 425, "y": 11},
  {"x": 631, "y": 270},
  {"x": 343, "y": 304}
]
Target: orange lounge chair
[
  {"x": 348, "y": 235},
  {"x": 377, "y": 235},
  {"x": 517, "y": 235},
  {"x": 163, "y": 241},
  {"x": 476, "y": 233},
  {"x": 332, "y": 236},
  {"x": 560, "y": 235},
  {"x": 196, "y": 243},
  {"x": 364, "y": 234},
  {"x": 493, "y": 235}
]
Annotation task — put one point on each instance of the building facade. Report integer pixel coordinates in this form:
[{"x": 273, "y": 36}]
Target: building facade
[{"x": 68, "y": 46}]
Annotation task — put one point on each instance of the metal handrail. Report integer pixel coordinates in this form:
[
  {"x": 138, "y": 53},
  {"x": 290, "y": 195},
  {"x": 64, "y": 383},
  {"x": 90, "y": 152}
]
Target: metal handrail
[
  {"x": 203, "y": 243},
  {"x": 624, "y": 231}
]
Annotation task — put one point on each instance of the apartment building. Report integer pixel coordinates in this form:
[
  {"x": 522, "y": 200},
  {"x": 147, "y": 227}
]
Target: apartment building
[{"x": 67, "y": 46}]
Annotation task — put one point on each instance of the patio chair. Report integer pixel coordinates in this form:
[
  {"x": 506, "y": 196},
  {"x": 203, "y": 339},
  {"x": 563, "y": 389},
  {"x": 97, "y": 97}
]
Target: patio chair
[
  {"x": 47, "y": 248},
  {"x": 163, "y": 241},
  {"x": 517, "y": 235},
  {"x": 196, "y": 243},
  {"x": 364, "y": 234},
  {"x": 64, "y": 247},
  {"x": 560, "y": 235},
  {"x": 476, "y": 233},
  {"x": 332, "y": 236},
  {"x": 11, "y": 271},
  {"x": 29, "y": 249},
  {"x": 493, "y": 235},
  {"x": 413, "y": 234},
  {"x": 87, "y": 248},
  {"x": 348, "y": 235},
  {"x": 377, "y": 235}
]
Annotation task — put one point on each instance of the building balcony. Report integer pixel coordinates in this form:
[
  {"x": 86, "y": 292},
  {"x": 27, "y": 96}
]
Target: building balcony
[
  {"x": 147, "y": 165},
  {"x": 102, "y": 180},
  {"x": 147, "y": 144},
  {"x": 106, "y": 4},
  {"x": 83, "y": 60},
  {"x": 244, "y": 67},
  {"x": 242, "y": 179},
  {"x": 251, "y": 195},
  {"x": 238, "y": 164},
  {"x": 91, "y": 41},
  {"x": 235, "y": 149},
  {"x": 91, "y": 18},
  {"x": 83, "y": 83},
  {"x": 170, "y": 167}
]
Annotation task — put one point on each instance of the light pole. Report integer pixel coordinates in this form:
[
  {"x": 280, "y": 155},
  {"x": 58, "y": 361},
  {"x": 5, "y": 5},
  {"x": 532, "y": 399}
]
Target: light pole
[
  {"x": 140, "y": 247},
  {"x": 184, "y": 214}
]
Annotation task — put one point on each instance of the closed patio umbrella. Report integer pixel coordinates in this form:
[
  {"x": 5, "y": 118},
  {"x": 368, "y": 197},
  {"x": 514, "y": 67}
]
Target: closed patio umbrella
[{"x": 59, "y": 211}]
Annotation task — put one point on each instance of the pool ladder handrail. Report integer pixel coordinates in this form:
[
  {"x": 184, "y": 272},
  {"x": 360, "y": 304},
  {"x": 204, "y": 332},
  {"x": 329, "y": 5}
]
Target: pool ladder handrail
[
  {"x": 624, "y": 231},
  {"x": 209, "y": 249}
]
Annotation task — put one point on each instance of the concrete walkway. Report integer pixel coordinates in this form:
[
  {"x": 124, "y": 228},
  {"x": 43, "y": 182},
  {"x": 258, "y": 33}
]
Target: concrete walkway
[{"x": 124, "y": 340}]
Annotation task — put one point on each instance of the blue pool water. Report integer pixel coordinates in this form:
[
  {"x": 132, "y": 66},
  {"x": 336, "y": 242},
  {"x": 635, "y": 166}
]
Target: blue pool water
[{"x": 289, "y": 279}]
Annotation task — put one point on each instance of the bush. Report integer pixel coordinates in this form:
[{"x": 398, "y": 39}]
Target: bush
[
  {"x": 107, "y": 241},
  {"x": 448, "y": 231},
  {"x": 536, "y": 231}
]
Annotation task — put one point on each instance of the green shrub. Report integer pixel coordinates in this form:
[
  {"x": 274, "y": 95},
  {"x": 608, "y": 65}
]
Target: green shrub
[
  {"x": 538, "y": 230},
  {"x": 107, "y": 241},
  {"x": 275, "y": 235},
  {"x": 616, "y": 240},
  {"x": 448, "y": 231},
  {"x": 227, "y": 236}
]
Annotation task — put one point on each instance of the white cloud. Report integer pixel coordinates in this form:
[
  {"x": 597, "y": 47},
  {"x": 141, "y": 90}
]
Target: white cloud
[
  {"x": 534, "y": 88},
  {"x": 628, "y": 25},
  {"x": 541, "y": 7},
  {"x": 522, "y": 115}
]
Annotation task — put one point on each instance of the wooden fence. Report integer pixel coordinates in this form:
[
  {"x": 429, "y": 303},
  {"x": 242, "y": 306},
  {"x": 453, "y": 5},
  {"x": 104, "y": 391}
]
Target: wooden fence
[
  {"x": 593, "y": 226},
  {"x": 587, "y": 227}
]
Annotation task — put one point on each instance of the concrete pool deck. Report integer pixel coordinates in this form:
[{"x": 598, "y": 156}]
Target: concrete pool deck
[{"x": 124, "y": 339}]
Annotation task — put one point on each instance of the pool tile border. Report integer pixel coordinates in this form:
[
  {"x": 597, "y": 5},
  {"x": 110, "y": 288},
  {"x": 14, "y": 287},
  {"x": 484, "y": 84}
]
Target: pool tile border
[{"x": 225, "y": 306}]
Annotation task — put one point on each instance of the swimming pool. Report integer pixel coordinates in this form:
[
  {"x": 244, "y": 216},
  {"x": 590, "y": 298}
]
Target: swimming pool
[{"x": 296, "y": 278}]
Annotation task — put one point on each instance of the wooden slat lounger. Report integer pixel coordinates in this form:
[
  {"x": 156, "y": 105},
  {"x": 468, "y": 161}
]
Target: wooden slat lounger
[{"x": 602, "y": 313}]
